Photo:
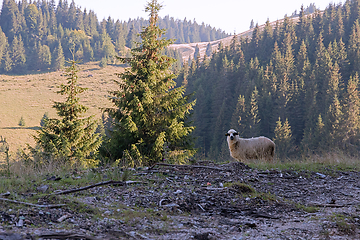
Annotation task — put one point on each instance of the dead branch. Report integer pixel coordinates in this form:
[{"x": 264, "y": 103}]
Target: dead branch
[
  {"x": 94, "y": 185},
  {"x": 86, "y": 187},
  {"x": 34, "y": 205},
  {"x": 189, "y": 166},
  {"x": 5, "y": 194},
  {"x": 64, "y": 235},
  {"x": 201, "y": 207},
  {"x": 331, "y": 205},
  {"x": 262, "y": 215},
  {"x": 215, "y": 189}
]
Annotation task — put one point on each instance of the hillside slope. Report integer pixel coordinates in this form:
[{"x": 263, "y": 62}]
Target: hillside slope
[
  {"x": 30, "y": 96},
  {"x": 187, "y": 50}
]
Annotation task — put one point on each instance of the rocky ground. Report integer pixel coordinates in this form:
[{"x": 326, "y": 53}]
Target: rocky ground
[{"x": 202, "y": 201}]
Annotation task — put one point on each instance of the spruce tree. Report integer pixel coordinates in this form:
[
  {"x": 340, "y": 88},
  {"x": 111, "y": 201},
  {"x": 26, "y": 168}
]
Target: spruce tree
[
  {"x": 44, "y": 57},
  {"x": 58, "y": 59},
  {"x": 334, "y": 122},
  {"x": 239, "y": 116},
  {"x": 208, "y": 50},
  {"x": 18, "y": 54},
  {"x": 319, "y": 141},
  {"x": 7, "y": 63},
  {"x": 44, "y": 119},
  {"x": 334, "y": 114},
  {"x": 3, "y": 44},
  {"x": 283, "y": 138},
  {"x": 354, "y": 47},
  {"x": 197, "y": 52},
  {"x": 253, "y": 119},
  {"x": 352, "y": 112},
  {"x": 71, "y": 138},
  {"x": 150, "y": 114},
  {"x": 131, "y": 38}
]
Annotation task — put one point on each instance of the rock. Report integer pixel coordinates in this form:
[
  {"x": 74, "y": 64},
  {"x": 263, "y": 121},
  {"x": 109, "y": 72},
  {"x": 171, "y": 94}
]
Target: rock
[
  {"x": 12, "y": 236},
  {"x": 20, "y": 223},
  {"x": 107, "y": 212},
  {"x": 42, "y": 188},
  {"x": 178, "y": 192},
  {"x": 202, "y": 236},
  {"x": 61, "y": 219},
  {"x": 54, "y": 178},
  {"x": 321, "y": 175}
]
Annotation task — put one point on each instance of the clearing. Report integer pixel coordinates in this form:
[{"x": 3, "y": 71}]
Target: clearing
[{"x": 200, "y": 201}]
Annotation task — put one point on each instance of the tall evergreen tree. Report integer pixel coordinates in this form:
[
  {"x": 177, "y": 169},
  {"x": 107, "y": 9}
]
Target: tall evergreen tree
[
  {"x": 318, "y": 142},
  {"x": 283, "y": 138},
  {"x": 354, "y": 47},
  {"x": 238, "y": 118},
  {"x": 131, "y": 38},
  {"x": 150, "y": 114},
  {"x": 3, "y": 44},
  {"x": 11, "y": 19},
  {"x": 208, "y": 50},
  {"x": 253, "y": 119},
  {"x": 18, "y": 55},
  {"x": 7, "y": 63},
  {"x": 197, "y": 52},
  {"x": 31, "y": 15},
  {"x": 352, "y": 113},
  {"x": 44, "y": 57},
  {"x": 58, "y": 59},
  {"x": 334, "y": 117},
  {"x": 71, "y": 138}
]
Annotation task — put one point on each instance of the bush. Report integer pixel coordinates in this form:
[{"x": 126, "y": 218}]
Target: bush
[
  {"x": 103, "y": 62},
  {"x": 22, "y": 122}
]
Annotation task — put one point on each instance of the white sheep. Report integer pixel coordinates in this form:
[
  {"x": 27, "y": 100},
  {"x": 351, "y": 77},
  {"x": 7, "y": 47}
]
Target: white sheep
[{"x": 250, "y": 148}]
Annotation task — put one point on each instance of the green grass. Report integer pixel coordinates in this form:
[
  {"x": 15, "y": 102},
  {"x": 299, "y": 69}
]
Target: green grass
[
  {"x": 344, "y": 223},
  {"x": 308, "y": 209},
  {"x": 246, "y": 190}
]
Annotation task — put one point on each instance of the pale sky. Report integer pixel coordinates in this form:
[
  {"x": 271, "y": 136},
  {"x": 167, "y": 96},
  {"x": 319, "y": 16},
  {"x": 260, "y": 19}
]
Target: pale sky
[{"x": 228, "y": 15}]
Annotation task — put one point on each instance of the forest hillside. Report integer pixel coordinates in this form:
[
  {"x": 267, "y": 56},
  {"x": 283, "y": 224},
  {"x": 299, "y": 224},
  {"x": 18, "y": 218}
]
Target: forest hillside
[
  {"x": 41, "y": 35},
  {"x": 296, "y": 82},
  {"x": 191, "y": 50}
]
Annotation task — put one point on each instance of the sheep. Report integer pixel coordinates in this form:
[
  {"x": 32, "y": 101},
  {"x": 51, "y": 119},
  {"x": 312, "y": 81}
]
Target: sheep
[{"x": 250, "y": 148}]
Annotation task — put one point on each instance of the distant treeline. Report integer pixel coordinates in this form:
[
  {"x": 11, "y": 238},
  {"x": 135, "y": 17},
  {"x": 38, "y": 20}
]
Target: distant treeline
[
  {"x": 296, "y": 82},
  {"x": 40, "y": 35}
]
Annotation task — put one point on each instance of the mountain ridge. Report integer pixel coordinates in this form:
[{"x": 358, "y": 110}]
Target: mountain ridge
[{"x": 187, "y": 50}]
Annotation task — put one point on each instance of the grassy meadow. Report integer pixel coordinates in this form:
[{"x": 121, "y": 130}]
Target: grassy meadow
[{"x": 30, "y": 96}]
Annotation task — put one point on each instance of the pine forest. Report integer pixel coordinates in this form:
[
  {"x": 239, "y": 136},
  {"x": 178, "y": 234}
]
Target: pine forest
[
  {"x": 40, "y": 35},
  {"x": 296, "y": 82}
]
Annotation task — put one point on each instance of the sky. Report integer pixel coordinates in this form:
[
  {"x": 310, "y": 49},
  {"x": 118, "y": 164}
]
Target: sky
[{"x": 232, "y": 16}]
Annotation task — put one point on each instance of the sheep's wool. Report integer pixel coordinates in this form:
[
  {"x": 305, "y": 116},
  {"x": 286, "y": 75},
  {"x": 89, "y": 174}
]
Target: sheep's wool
[{"x": 250, "y": 148}]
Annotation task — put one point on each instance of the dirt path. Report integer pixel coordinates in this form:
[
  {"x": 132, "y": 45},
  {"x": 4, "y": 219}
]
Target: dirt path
[{"x": 204, "y": 201}]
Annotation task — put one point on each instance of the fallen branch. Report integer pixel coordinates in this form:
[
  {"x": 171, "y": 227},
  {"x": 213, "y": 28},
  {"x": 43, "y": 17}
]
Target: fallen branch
[
  {"x": 5, "y": 194},
  {"x": 215, "y": 189},
  {"x": 262, "y": 215},
  {"x": 32, "y": 204},
  {"x": 189, "y": 166},
  {"x": 65, "y": 235},
  {"x": 331, "y": 205},
  {"x": 201, "y": 207},
  {"x": 94, "y": 185}
]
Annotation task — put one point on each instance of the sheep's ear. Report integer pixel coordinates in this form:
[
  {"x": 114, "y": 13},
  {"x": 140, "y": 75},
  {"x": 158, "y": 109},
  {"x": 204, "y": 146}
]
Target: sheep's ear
[{"x": 227, "y": 134}]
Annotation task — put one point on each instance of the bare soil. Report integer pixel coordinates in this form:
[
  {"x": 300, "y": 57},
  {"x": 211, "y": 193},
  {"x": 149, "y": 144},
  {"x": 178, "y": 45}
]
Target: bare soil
[{"x": 202, "y": 201}]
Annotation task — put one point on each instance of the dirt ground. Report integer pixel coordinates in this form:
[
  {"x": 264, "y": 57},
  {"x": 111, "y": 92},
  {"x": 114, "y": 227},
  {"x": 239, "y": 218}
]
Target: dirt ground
[{"x": 201, "y": 201}]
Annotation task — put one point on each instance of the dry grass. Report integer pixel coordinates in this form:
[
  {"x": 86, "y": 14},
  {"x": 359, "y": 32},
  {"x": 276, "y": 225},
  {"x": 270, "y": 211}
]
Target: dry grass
[
  {"x": 335, "y": 160},
  {"x": 30, "y": 96}
]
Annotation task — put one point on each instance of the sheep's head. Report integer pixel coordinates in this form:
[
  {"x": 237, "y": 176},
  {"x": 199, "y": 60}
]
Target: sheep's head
[{"x": 231, "y": 134}]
